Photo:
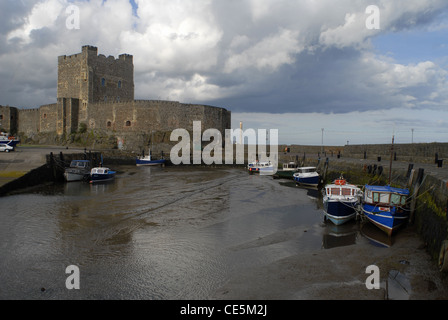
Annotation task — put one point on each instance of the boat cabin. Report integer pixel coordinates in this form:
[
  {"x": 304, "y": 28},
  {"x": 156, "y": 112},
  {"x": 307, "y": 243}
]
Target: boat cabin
[
  {"x": 306, "y": 169},
  {"x": 290, "y": 166},
  {"x": 83, "y": 164},
  {"x": 386, "y": 196},
  {"x": 100, "y": 171}
]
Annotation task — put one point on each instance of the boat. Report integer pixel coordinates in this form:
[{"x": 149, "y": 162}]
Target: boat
[
  {"x": 287, "y": 172},
  {"x": 386, "y": 207},
  {"x": 306, "y": 176},
  {"x": 9, "y": 140},
  {"x": 263, "y": 167},
  {"x": 78, "y": 170},
  {"x": 148, "y": 161},
  {"x": 341, "y": 201},
  {"x": 101, "y": 174}
]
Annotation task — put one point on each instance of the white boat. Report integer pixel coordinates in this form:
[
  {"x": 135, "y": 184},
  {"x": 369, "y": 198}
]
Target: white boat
[
  {"x": 264, "y": 167},
  {"x": 341, "y": 201},
  {"x": 78, "y": 170},
  {"x": 306, "y": 176},
  {"x": 101, "y": 174}
]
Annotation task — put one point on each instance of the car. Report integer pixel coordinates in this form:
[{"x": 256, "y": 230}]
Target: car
[{"x": 6, "y": 148}]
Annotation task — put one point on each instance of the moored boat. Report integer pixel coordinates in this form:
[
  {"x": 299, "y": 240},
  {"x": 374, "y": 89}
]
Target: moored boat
[
  {"x": 101, "y": 174},
  {"x": 148, "y": 161},
  {"x": 78, "y": 170},
  {"x": 386, "y": 207},
  {"x": 9, "y": 140},
  {"x": 287, "y": 171},
  {"x": 341, "y": 201},
  {"x": 307, "y": 176},
  {"x": 263, "y": 167}
]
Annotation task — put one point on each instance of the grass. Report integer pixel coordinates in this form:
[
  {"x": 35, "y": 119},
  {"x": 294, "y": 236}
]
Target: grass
[{"x": 12, "y": 174}]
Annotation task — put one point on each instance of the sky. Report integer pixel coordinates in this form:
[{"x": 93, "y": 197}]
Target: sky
[{"x": 316, "y": 70}]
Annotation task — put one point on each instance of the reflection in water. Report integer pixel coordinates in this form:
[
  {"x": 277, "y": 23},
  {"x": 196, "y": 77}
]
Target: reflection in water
[{"x": 339, "y": 236}]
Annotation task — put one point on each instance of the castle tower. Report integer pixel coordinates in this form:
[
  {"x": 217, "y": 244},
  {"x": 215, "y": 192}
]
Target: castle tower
[{"x": 86, "y": 78}]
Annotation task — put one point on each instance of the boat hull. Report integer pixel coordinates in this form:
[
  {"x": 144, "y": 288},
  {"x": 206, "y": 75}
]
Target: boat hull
[
  {"x": 141, "y": 162},
  {"x": 307, "y": 181},
  {"x": 97, "y": 177},
  {"x": 71, "y": 176},
  {"x": 387, "y": 221},
  {"x": 12, "y": 143},
  {"x": 340, "y": 212}
]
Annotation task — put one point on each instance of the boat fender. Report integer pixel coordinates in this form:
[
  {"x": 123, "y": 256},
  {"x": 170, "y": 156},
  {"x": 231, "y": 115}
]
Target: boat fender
[{"x": 443, "y": 256}]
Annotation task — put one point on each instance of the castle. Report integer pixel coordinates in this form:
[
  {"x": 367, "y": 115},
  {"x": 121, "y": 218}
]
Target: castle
[{"x": 96, "y": 93}]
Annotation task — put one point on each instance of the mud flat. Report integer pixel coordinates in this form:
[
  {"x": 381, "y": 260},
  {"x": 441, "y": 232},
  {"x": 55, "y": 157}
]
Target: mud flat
[{"x": 406, "y": 272}]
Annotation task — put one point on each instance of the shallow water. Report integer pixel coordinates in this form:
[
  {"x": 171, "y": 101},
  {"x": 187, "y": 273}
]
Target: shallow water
[{"x": 157, "y": 233}]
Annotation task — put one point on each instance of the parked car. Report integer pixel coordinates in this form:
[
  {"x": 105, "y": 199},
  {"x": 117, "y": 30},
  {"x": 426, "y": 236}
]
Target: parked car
[{"x": 6, "y": 148}]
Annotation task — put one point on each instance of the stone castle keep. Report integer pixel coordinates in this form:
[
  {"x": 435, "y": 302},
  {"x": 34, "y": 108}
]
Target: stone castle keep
[{"x": 95, "y": 93}]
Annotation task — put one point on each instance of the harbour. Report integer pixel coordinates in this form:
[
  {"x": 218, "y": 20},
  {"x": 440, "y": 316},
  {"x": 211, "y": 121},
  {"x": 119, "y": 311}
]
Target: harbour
[{"x": 201, "y": 232}]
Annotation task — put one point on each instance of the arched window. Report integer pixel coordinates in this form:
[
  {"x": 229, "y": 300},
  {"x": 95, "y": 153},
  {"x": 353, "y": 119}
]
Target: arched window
[
  {"x": 103, "y": 82},
  {"x": 128, "y": 123},
  {"x": 119, "y": 84},
  {"x": 109, "y": 124}
]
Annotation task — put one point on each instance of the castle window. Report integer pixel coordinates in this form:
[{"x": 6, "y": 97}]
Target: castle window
[
  {"x": 119, "y": 84},
  {"x": 128, "y": 123},
  {"x": 103, "y": 82},
  {"x": 109, "y": 124},
  {"x": 118, "y": 99},
  {"x": 45, "y": 116},
  {"x": 1, "y": 117},
  {"x": 105, "y": 98}
]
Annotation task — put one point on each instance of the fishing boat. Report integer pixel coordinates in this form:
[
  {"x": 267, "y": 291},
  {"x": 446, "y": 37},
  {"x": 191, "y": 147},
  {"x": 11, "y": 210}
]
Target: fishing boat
[
  {"x": 264, "y": 167},
  {"x": 341, "y": 201},
  {"x": 9, "y": 140},
  {"x": 386, "y": 207},
  {"x": 288, "y": 170},
  {"x": 101, "y": 174},
  {"x": 78, "y": 170},
  {"x": 306, "y": 176},
  {"x": 148, "y": 161}
]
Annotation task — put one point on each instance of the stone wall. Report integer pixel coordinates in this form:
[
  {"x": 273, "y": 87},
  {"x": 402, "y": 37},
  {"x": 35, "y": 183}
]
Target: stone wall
[
  {"x": 29, "y": 122},
  {"x": 134, "y": 123},
  {"x": 416, "y": 152},
  {"x": 8, "y": 119}
]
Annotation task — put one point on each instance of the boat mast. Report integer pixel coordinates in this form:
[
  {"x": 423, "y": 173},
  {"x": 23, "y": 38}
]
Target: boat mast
[{"x": 391, "y": 155}]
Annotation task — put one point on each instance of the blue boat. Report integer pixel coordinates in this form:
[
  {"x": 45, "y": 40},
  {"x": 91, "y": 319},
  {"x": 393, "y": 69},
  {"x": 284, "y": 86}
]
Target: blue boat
[
  {"x": 306, "y": 176},
  {"x": 148, "y": 161},
  {"x": 341, "y": 201},
  {"x": 9, "y": 140},
  {"x": 101, "y": 174},
  {"x": 386, "y": 207}
]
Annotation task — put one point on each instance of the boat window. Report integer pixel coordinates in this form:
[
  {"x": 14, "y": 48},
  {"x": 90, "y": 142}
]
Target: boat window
[
  {"x": 336, "y": 191},
  {"x": 395, "y": 199},
  {"x": 346, "y": 191},
  {"x": 384, "y": 197},
  {"x": 403, "y": 200},
  {"x": 376, "y": 197}
]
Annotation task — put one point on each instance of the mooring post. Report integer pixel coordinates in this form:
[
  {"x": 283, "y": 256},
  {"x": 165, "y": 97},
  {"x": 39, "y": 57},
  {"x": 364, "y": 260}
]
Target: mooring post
[{"x": 415, "y": 194}]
